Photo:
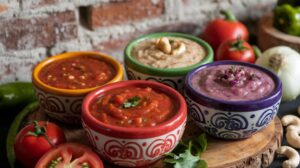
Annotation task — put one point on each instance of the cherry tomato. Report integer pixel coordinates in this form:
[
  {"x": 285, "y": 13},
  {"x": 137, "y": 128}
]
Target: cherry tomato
[
  {"x": 34, "y": 140},
  {"x": 237, "y": 49},
  {"x": 71, "y": 155},
  {"x": 220, "y": 30}
]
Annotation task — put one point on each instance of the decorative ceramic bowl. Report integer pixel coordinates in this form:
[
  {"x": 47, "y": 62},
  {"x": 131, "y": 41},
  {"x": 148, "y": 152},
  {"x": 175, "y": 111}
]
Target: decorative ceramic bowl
[
  {"x": 65, "y": 104},
  {"x": 134, "y": 146},
  {"x": 232, "y": 119},
  {"x": 173, "y": 77}
]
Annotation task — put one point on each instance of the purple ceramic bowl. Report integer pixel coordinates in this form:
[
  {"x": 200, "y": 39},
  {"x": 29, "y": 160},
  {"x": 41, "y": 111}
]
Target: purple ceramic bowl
[{"x": 232, "y": 119}]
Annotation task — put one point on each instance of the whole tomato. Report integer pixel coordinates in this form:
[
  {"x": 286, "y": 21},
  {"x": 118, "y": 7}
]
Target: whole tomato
[
  {"x": 71, "y": 155},
  {"x": 236, "y": 49},
  {"x": 220, "y": 30},
  {"x": 34, "y": 140}
]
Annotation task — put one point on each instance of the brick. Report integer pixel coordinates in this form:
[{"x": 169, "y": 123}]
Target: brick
[
  {"x": 3, "y": 8},
  {"x": 19, "y": 34},
  {"x": 123, "y": 12},
  {"x": 114, "y": 47},
  {"x": 180, "y": 27},
  {"x": 32, "y": 4},
  {"x": 18, "y": 65},
  {"x": 113, "y": 44}
]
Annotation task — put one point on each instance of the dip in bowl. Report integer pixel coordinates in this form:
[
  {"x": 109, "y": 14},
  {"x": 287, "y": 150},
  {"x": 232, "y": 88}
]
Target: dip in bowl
[
  {"x": 232, "y": 100},
  {"x": 62, "y": 81},
  {"x": 133, "y": 123},
  {"x": 165, "y": 57}
]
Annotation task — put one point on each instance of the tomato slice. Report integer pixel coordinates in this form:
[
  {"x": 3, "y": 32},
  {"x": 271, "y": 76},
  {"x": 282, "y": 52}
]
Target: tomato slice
[{"x": 70, "y": 155}]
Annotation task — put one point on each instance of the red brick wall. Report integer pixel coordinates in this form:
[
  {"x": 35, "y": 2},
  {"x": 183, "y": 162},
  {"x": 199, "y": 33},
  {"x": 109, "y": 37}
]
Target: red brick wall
[
  {"x": 123, "y": 12},
  {"x": 34, "y": 29}
]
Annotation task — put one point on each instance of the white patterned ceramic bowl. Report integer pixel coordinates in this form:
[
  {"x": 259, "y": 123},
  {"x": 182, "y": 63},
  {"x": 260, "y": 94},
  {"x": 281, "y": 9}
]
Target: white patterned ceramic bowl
[
  {"x": 232, "y": 119},
  {"x": 65, "y": 104},
  {"x": 173, "y": 77},
  {"x": 134, "y": 146}
]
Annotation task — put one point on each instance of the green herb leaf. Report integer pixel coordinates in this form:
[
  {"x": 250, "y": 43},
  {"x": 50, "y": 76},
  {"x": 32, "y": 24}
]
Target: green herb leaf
[
  {"x": 186, "y": 154},
  {"x": 199, "y": 144},
  {"x": 185, "y": 160},
  {"x": 132, "y": 102},
  {"x": 201, "y": 164}
]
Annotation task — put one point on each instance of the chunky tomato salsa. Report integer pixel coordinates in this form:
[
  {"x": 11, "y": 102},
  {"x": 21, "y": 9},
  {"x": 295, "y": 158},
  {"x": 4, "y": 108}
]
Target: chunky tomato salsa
[
  {"x": 77, "y": 73},
  {"x": 133, "y": 107}
]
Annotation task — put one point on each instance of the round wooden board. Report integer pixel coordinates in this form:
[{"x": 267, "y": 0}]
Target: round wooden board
[
  {"x": 256, "y": 151},
  {"x": 268, "y": 36}
]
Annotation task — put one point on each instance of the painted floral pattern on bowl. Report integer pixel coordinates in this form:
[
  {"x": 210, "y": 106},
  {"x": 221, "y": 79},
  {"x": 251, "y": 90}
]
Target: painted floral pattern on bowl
[
  {"x": 66, "y": 109},
  {"x": 230, "y": 124},
  {"x": 133, "y": 152}
]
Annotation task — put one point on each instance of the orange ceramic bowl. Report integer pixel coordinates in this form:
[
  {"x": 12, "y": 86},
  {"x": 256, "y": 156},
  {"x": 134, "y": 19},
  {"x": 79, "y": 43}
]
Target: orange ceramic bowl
[{"x": 65, "y": 104}]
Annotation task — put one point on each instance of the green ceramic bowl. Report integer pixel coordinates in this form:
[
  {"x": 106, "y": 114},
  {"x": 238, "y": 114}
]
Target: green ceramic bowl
[{"x": 173, "y": 77}]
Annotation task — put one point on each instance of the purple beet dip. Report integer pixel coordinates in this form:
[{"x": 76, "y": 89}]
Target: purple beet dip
[{"x": 233, "y": 83}]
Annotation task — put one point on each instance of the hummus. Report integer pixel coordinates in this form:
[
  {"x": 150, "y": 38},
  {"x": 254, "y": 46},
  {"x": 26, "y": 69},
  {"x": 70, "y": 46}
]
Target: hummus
[
  {"x": 233, "y": 83},
  {"x": 171, "y": 52}
]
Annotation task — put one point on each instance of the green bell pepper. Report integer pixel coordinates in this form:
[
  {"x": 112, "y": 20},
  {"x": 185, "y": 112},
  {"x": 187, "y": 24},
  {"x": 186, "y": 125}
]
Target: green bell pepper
[
  {"x": 16, "y": 94},
  {"x": 287, "y": 19}
]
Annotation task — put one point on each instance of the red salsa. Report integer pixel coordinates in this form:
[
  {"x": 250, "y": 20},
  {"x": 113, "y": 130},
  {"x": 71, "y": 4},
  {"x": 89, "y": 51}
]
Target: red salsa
[
  {"x": 77, "y": 73},
  {"x": 133, "y": 107}
]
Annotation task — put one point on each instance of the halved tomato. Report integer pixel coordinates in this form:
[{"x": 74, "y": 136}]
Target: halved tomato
[{"x": 71, "y": 155}]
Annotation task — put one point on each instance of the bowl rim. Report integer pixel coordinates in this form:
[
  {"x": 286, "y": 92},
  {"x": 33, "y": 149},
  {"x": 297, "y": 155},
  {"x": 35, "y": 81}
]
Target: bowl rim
[
  {"x": 268, "y": 100},
  {"x": 74, "y": 92},
  {"x": 136, "y": 65},
  {"x": 133, "y": 132}
]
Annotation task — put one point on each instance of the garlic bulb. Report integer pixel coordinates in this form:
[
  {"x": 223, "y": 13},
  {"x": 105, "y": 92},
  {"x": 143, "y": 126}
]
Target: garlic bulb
[{"x": 285, "y": 62}]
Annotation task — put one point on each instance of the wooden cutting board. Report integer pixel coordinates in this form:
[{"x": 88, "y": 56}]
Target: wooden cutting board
[{"x": 256, "y": 151}]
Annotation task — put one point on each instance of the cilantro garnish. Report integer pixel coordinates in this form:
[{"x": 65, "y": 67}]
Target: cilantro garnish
[
  {"x": 132, "y": 102},
  {"x": 187, "y": 153}
]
